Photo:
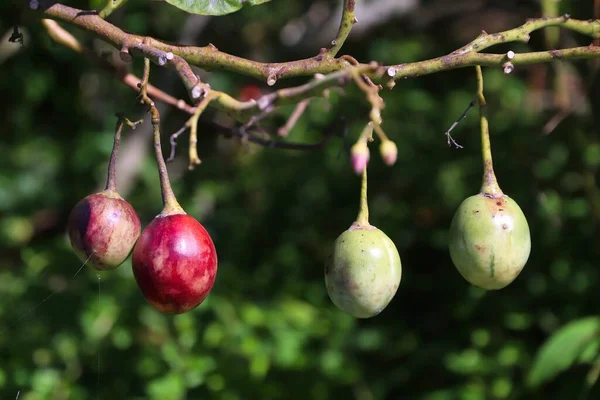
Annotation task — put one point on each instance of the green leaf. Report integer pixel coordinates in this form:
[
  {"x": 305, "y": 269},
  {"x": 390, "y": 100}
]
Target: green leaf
[
  {"x": 563, "y": 349},
  {"x": 213, "y": 7}
]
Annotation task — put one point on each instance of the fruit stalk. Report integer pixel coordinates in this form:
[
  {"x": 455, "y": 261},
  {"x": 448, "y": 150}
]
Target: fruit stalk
[
  {"x": 489, "y": 186},
  {"x": 111, "y": 180},
  {"x": 103, "y": 227},
  {"x": 364, "y": 269},
  {"x": 363, "y": 212},
  {"x": 174, "y": 261},
  {"x": 170, "y": 204}
]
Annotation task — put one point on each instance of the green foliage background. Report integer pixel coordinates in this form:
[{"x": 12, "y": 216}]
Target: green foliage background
[{"x": 268, "y": 330}]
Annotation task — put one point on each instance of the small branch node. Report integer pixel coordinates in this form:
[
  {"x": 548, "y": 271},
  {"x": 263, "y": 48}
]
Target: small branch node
[
  {"x": 567, "y": 16},
  {"x": 197, "y": 92},
  {"x": 391, "y": 71},
  {"x": 169, "y": 56},
  {"x": 125, "y": 55},
  {"x": 355, "y": 20},
  {"x": 508, "y": 67},
  {"x": 510, "y": 55},
  {"x": 271, "y": 79},
  {"x": 129, "y": 123},
  {"x": 17, "y": 37},
  {"x": 264, "y": 102}
]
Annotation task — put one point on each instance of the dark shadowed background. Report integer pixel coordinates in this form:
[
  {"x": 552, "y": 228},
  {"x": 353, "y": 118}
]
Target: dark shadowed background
[{"x": 268, "y": 329}]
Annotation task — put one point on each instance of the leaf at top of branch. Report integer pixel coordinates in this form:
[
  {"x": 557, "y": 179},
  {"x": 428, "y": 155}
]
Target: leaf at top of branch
[{"x": 213, "y": 7}]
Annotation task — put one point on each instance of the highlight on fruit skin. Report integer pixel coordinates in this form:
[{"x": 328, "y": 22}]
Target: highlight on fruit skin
[
  {"x": 175, "y": 263},
  {"x": 363, "y": 272},
  {"x": 103, "y": 228},
  {"x": 489, "y": 240}
]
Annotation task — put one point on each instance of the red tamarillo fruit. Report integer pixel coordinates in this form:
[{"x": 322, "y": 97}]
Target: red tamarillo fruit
[
  {"x": 174, "y": 260},
  {"x": 103, "y": 227}
]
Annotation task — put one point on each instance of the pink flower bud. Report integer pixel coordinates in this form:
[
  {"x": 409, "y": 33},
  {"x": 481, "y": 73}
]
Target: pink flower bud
[
  {"x": 389, "y": 152},
  {"x": 360, "y": 157}
]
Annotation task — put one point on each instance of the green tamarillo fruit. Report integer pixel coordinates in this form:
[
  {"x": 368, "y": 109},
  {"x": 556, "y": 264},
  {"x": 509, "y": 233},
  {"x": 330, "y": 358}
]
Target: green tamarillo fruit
[
  {"x": 364, "y": 269},
  {"x": 489, "y": 240},
  {"x": 363, "y": 272}
]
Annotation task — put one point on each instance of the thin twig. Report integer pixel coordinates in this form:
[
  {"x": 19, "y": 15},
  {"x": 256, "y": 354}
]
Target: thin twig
[
  {"x": 171, "y": 206},
  {"x": 372, "y": 92},
  {"x": 451, "y": 140},
  {"x": 291, "y": 122},
  {"x": 63, "y": 37},
  {"x": 226, "y": 102},
  {"x": 255, "y": 119},
  {"x": 379, "y": 132},
  {"x": 143, "y": 85},
  {"x": 245, "y": 134},
  {"x": 556, "y": 120},
  {"x": 173, "y": 141},
  {"x": 193, "y": 125}
]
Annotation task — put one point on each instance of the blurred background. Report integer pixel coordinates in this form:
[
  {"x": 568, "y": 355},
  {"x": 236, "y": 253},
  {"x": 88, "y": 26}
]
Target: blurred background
[{"x": 268, "y": 329}]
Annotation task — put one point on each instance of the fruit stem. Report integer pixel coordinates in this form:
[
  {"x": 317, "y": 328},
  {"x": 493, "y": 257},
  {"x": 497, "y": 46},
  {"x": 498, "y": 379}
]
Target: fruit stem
[
  {"x": 489, "y": 186},
  {"x": 170, "y": 204},
  {"x": 111, "y": 180},
  {"x": 363, "y": 212}
]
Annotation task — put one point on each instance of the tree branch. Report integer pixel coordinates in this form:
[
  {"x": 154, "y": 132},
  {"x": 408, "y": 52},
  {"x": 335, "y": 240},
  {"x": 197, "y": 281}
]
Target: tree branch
[
  {"x": 454, "y": 61},
  {"x": 210, "y": 57},
  {"x": 339, "y": 70},
  {"x": 348, "y": 19},
  {"x": 63, "y": 37}
]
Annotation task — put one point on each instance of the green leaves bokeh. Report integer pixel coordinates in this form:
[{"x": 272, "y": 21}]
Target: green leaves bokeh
[{"x": 268, "y": 330}]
